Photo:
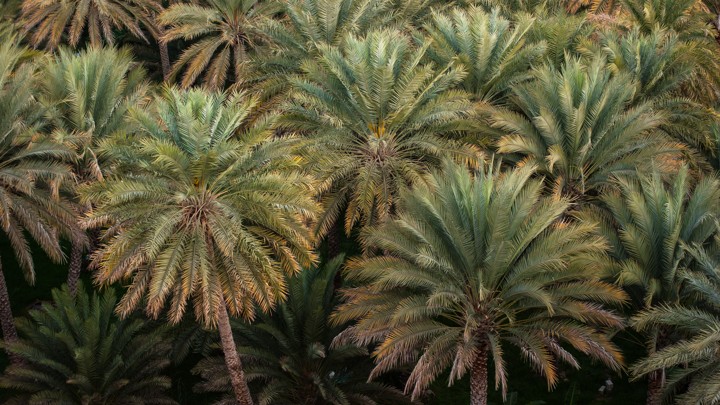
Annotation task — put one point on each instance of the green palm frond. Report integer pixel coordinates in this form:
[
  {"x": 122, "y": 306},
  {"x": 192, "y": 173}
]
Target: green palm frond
[
  {"x": 75, "y": 351},
  {"x": 473, "y": 261}
]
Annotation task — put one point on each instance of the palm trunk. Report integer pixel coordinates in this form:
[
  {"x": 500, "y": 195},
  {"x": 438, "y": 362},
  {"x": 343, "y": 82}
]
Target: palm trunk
[
  {"x": 479, "y": 377},
  {"x": 6, "y": 317},
  {"x": 656, "y": 379},
  {"x": 75, "y": 267},
  {"x": 164, "y": 59},
  {"x": 655, "y": 387},
  {"x": 232, "y": 359}
]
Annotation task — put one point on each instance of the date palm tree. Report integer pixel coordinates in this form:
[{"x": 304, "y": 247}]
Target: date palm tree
[
  {"x": 53, "y": 22},
  {"x": 31, "y": 171},
  {"x": 224, "y": 30},
  {"x": 206, "y": 207},
  {"x": 306, "y": 26},
  {"x": 692, "y": 361},
  {"x": 472, "y": 263},
  {"x": 87, "y": 96},
  {"x": 650, "y": 224},
  {"x": 494, "y": 53},
  {"x": 291, "y": 356},
  {"x": 380, "y": 118},
  {"x": 579, "y": 126},
  {"x": 75, "y": 351}
]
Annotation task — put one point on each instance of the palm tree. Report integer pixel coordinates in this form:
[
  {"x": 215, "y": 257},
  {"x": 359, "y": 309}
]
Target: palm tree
[
  {"x": 87, "y": 96},
  {"x": 306, "y": 26},
  {"x": 693, "y": 359},
  {"x": 291, "y": 355},
  {"x": 225, "y": 31},
  {"x": 75, "y": 351},
  {"x": 473, "y": 262},
  {"x": 578, "y": 125},
  {"x": 649, "y": 224},
  {"x": 31, "y": 171},
  {"x": 377, "y": 117},
  {"x": 495, "y": 54},
  {"x": 205, "y": 207},
  {"x": 50, "y": 21},
  {"x": 675, "y": 76}
]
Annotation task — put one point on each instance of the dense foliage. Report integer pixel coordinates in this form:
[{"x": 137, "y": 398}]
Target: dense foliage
[{"x": 360, "y": 201}]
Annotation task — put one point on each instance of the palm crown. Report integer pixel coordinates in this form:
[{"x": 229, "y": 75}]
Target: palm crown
[
  {"x": 578, "y": 126},
  {"x": 225, "y": 31},
  {"x": 472, "y": 263},
  {"x": 49, "y": 21},
  {"x": 378, "y": 115},
  {"x": 75, "y": 351},
  {"x": 210, "y": 209}
]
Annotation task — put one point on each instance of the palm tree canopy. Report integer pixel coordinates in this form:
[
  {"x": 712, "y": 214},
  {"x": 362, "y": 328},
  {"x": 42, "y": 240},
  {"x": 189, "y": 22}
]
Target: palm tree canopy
[
  {"x": 50, "y": 21},
  {"x": 32, "y": 167},
  {"x": 655, "y": 221},
  {"x": 481, "y": 260},
  {"x": 494, "y": 53},
  {"x": 578, "y": 126},
  {"x": 224, "y": 30},
  {"x": 87, "y": 96},
  {"x": 208, "y": 207},
  {"x": 290, "y": 354},
  {"x": 380, "y": 118},
  {"x": 76, "y": 351}
]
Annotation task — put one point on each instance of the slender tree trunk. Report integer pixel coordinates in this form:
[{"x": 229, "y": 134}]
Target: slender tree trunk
[
  {"x": 232, "y": 359},
  {"x": 76, "y": 254},
  {"x": 164, "y": 59},
  {"x": 655, "y": 387},
  {"x": 479, "y": 377},
  {"x": 7, "y": 323},
  {"x": 656, "y": 379}
]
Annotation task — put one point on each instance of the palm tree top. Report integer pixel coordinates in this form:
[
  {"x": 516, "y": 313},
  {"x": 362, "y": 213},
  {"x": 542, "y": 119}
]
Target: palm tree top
[{"x": 208, "y": 208}]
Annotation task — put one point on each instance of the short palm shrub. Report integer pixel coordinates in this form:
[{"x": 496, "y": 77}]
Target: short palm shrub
[{"x": 76, "y": 351}]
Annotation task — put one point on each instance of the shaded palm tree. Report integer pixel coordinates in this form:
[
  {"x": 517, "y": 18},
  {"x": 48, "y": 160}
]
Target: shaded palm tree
[
  {"x": 579, "y": 126},
  {"x": 224, "y": 30},
  {"x": 494, "y": 53},
  {"x": 649, "y": 224},
  {"x": 692, "y": 361},
  {"x": 304, "y": 27},
  {"x": 87, "y": 96},
  {"x": 475, "y": 262},
  {"x": 53, "y": 22},
  {"x": 206, "y": 208},
  {"x": 677, "y": 77},
  {"x": 31, "y": 171},
  {"x": 290, "y": 354},
  {"x": 75, "y": 351},
  {"x": 378, "y": 120}
]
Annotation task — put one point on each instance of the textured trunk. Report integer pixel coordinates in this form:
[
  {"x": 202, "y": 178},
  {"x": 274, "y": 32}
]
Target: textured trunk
[
  {"x": 232, "y": 359},
  {"x": 479, "y": 377},
  {"x": 76, "y": 254},
  {"x": 655, "y": 387},
  {"x": 656, "y": 379},
  {"x": 164, "y": 59},
  {"x": 9, "y": 333}
]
